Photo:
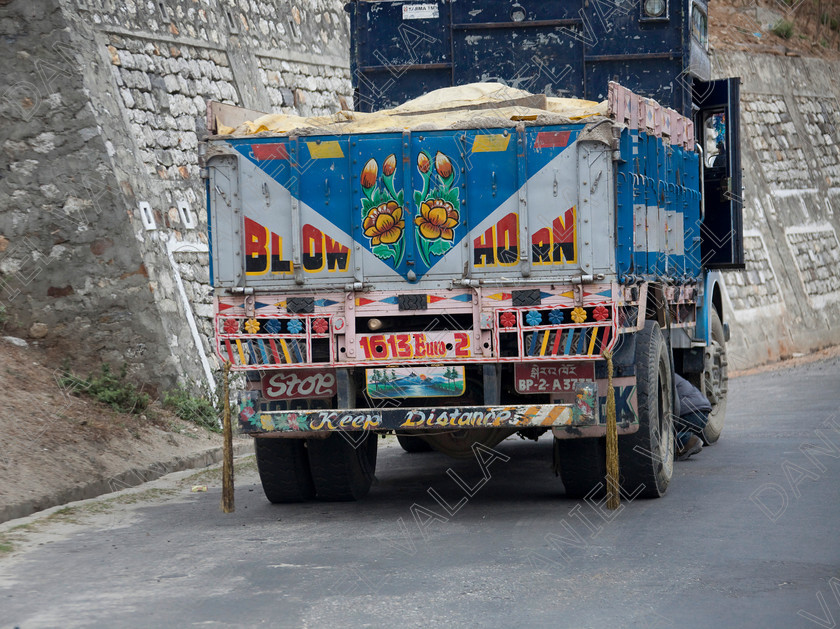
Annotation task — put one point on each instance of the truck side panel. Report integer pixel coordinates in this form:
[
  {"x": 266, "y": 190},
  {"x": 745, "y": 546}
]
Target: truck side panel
[{"x": 659, "y": 208}]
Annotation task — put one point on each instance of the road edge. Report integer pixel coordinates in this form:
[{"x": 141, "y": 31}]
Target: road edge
[{"x": 128, "y": 478}]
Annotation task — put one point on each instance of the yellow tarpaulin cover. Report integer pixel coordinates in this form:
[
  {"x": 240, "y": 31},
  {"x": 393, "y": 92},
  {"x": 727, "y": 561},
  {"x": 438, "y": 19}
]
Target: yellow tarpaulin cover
[{"x": 480, "y": 105}]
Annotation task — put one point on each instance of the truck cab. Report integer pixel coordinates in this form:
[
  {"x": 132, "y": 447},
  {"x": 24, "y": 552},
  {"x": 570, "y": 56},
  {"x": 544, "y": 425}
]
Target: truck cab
[{"x": 656, "y": 48}]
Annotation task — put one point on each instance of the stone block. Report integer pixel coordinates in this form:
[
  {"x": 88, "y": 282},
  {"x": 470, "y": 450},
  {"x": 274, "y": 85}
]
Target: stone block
[
  {"x": 171, "y": 83},
  {"x": 44, "y": 142},
  {"x": 204, "y": 310},
  {"x": 288, "y": 97},
  {"x": 128, "y": 99}
]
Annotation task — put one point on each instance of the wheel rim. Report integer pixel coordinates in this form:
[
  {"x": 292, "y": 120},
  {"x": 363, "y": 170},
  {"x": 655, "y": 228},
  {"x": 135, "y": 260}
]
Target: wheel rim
[
  {"x": 665, "y": 424},
  {"x": 716, "y": 376},
  {"x": 716, "y": 383}
]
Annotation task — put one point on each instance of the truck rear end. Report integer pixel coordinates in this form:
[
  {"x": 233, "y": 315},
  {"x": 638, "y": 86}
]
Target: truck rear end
[{"x": 454, "y": 283}]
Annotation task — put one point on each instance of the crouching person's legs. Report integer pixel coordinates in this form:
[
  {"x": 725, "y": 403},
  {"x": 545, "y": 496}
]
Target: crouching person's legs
[{"x": 688, "y": 427}]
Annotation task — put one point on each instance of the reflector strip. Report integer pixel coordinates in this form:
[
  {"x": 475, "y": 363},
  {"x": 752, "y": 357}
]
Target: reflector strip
[
  {"x": 285, "y": 351},
  {"x": 552, "y": 415},
  {"x": 325, "y": 150},
  {"x": 557, "y": 336},
  {"x": 605, "y": 341},
  {"x": 252, "y": 353},
  {"x": 592, "y": 341},
  {"x": 296, "y": 348},
  {"x": 545, "y": 342},
  {"x": 551, "y": 139},
  {"x": 491, "y": 143},
  {"x": 265, "y": 353},
  {"x": 569, "y": 342},
  {"x": 534, "y": 337},
  {"x": 269, "y": 151},
  {"x": 274, "y": 353}
]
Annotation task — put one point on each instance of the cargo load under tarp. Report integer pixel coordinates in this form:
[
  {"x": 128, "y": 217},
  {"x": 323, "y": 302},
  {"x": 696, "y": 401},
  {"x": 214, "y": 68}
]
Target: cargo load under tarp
[{"x": 477, "y": 105}]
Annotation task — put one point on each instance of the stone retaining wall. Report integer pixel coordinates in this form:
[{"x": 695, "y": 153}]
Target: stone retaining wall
[
  {"x": 103, "y": 245},
  {"x": 102, "y": 214},
  {"x": 787, "y": 301}
]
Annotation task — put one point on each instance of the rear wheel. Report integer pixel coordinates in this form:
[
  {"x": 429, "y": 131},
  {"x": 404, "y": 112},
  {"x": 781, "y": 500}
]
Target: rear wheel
[
  {"x": 647, "y": 456},
  {"x": 343, "y": 465},
  {"x": 582, "y": 465},
  {"x": 284, "y": 470},
  {"x": 413, "y": 444},
  {"x": 715, "y": 380}
]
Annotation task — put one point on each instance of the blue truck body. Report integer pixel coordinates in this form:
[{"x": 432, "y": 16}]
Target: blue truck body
[
  {"x": 456, "y": 284},
  {"x": 647, "y": 168}
]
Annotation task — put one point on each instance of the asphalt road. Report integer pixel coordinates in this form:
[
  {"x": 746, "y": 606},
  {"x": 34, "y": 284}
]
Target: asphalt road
[{"x": 747, "y": 536}]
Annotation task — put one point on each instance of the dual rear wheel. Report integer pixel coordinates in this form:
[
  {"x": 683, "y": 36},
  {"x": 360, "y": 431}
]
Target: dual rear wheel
[
  {"x": 338, "y": 468},
  {"x": 646, "y": 457}
]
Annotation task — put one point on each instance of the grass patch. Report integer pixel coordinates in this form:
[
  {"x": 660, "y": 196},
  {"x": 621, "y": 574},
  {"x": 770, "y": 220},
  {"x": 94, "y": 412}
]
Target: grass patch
[
  {"x": 109, "y": 388},
  {"x": 832, "y": 22},
  {"x": 141, "y": 496},
  {"x": 214, "y": 475},
  {"x": 10, "y": 539},
  {"x": 204, "y": 408},
  {"x": 783, "y": 29},
  {"x": 192, "y": 408}
]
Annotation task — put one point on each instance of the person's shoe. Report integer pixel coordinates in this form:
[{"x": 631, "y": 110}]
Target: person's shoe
[{"x": 692, "y": 446}]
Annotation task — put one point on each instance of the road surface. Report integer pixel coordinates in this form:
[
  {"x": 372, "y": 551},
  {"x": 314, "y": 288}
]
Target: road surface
[{"x": 746, "y": 537}]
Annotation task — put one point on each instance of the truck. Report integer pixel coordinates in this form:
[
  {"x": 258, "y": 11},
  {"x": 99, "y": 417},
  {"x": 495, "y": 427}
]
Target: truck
[{"x": 487, "y": 257}]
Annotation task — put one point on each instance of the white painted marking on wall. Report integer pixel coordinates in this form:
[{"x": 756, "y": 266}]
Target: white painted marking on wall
[
  {"x": 820, "y": 301},
  {"x": 747, "y": 315},
  {"x": 147, "y": 216},
  {"x": 186, "y": 214},
  {"x": 809, "y": 228},
  {"x": 794, "y": 192},
  {"x": 173, "y": 246}
]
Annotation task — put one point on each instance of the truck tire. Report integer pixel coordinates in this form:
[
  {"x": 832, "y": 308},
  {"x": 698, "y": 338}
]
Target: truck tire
[
  {"x": 413, "y": 444},
  {"x": 715, "y": 381},
  {"x": 342, "y": 467},
  {"x": 284, "y": 470},
  {"x": 646, "y": 457},
  {"x": 582, "y": 465}
]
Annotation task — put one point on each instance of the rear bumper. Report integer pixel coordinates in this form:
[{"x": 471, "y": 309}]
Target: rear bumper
[{"x": 565, "y": 420}]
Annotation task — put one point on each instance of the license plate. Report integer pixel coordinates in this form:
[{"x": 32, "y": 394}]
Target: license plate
[
  {"x": 416, "y": 346},
  {"x": 299, "y": 384},
  {"x": 534, "y": 378}
]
